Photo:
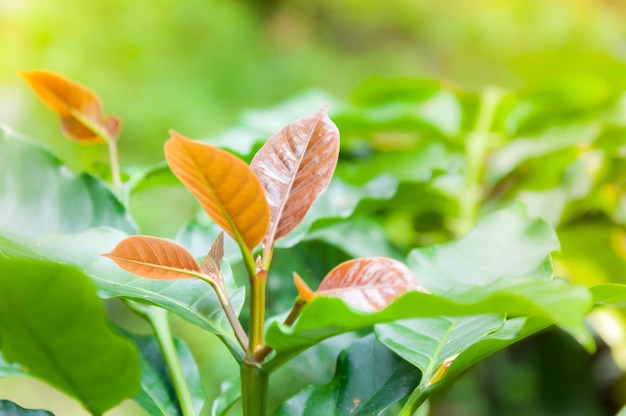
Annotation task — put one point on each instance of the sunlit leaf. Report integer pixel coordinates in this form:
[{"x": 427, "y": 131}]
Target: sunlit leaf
[
  {"x": 154, "y": 258},
  {"x": 369, "y": 379},
  {"x": 53, "y": 323},
  {"x": 368, "y": 284},
  {"x": 39, "y": 195},
  {"x": 227, "y": 189},
  {"x": 8, "y": 408},
  {"x": 295, "y": 166},
  {"x": 78, "y": 107}
]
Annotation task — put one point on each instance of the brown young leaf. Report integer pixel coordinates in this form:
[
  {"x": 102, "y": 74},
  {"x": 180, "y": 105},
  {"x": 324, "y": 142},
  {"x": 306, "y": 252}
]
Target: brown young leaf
[
  {"x": 368, "y": 284},
  {"x": 213, "y": 261},
  {"x": 154, "y": 258},
  {"x": 225, "y": 186},
  {"x": 295, "y": 166},
  {"x": 304, "y": 291},
  {"x": 78, "y": 107}
]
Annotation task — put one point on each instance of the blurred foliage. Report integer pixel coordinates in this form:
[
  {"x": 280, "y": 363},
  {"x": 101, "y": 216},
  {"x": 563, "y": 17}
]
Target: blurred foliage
[{"x": 555, "y": 138}]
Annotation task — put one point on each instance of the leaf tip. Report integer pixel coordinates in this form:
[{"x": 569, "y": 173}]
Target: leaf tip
[{"x": 304, "y": 291}]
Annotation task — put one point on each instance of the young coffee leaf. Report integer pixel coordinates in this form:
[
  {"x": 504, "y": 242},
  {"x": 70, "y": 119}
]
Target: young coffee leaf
[
  {"x": 368, "y": 284},
  {"x": 227, "y": 189},
  {"x": 154, "y": 258},
  {"x": 213, "y": 260},
  {"x": 78, "y": 107},
  {"x": 295, "y": 166}
]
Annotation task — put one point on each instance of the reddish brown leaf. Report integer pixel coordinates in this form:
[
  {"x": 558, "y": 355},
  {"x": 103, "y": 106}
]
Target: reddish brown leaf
[
  {"x": 225, "y": 186},
  {"x": 213, "y": 261},
  {"x": 78, "y": 107},
  {"x": 295, "y": 166},
  {"x": 154, "y": 258},
  {"x": 368, "y": 284}
]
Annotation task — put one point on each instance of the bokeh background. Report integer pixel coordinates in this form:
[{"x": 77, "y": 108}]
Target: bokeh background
[{"x": 195, "y": 65}]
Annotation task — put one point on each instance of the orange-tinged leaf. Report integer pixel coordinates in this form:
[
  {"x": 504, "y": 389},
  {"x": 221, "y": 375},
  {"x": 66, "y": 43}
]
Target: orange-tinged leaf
[
  {"x": 154, "y": 258},
  {"x": 295, "y": 166},
  {"x": 227, "y": 189},
  {"x": 368, "y": 284},
  {"x": 304, "y": 291},
  {"x": 78, "y": 107},
  {"x": 213, "y": 261}
]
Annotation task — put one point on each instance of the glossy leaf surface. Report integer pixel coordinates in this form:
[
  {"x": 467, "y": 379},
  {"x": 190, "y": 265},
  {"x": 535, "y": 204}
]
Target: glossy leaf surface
[
  {"x": 78, "y": 107},
  {"x": 68, "y": 344},
  {"x": 191, "y": 299},
  {"x": 295, "y": 166},
  {"x": 32, "y": 178},
  {"x": 369, "y": 379},
  {"x": 154, "y": 258},
  {"x": 227, "y": 189},
  {"x": 368, "y": 284},
  {"x": 8, "y": 408}
]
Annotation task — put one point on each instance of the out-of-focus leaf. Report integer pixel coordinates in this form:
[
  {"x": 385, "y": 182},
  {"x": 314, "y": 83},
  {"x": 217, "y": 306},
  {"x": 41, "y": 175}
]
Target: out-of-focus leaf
[
  {"x": 369, "y": 379},
  {"x": 557, "y": 301},
  {"x": 503, "y": 244},
  {"x": 295, "y": 166},
  {"x": 154, "y": 258},
  {"x": 157, "y": 396},
  {"x": 39, "y": 195},
  {"x": 227, "y": 189},
  {"x": 79, "y": 107},
  {"x": 230, "y": 393},
  {"x": 191, "y": 299},
  {"x": 66, "y": 344},
  {"x": 9, "y": 370},
  {"x": 8, "y": 408},
  {"x": 609, "y": 293},
  {"x": 368, "y": 284},
  {"x": 507, "y": 158}
]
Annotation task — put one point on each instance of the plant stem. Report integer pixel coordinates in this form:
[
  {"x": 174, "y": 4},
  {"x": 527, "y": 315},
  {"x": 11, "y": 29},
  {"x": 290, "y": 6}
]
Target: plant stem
[
  {"x": 115, "y": 169},
  {"x": 476, "y": 147},
  {"x": 254, "y": 383},
  {"x": 158, "y": 319},
  {"x": 241, "y": 335},
  {"x": 260, "y": 354},
  {"x": 257, "y": 312}
]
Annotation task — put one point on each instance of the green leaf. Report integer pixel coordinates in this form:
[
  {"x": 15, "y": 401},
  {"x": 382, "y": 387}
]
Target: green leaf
[
  {"x": 66, "y": 343},
  {"x": 10, "y": 370},
  {"x": 39, "y": 195},
  {"x": 369, "y": 379},
  {"x": 8, "y": 408},
  {"x": 428, "y": 342},
  {"x": 157, "y": 396},
  {"x": 191, "y": 299},
  {"x": 613, "y": 293},
  {"x": 556, "y": 300},
  {"x": 230, "y": 393},
  {"x": 503, "y": 244}
]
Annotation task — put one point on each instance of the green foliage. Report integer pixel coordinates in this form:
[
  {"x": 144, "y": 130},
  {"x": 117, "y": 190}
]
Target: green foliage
[{"x": 475, "y": 193}]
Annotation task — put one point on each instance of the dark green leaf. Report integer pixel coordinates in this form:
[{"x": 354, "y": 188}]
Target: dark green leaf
[
  {"x": 39, "y": 195},
  {"x": 369, "y": 379},
  {"x": 53, "y": 324},
  {"x": 8, "y": 408}
]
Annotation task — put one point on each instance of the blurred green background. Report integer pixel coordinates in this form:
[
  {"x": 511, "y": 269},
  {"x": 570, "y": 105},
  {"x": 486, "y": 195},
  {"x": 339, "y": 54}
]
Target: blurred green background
[{"x": 196, "y": 65}]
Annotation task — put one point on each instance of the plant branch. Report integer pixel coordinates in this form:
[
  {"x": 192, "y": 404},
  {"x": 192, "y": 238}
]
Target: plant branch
[
  {"x": 158, "y": 319},
  {"x": 476, "y": 147},
  {"x": 257, "y": 312}
]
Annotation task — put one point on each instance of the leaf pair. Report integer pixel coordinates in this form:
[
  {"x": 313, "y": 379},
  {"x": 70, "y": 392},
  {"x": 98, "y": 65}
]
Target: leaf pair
[{"x": 78, "y": 107}]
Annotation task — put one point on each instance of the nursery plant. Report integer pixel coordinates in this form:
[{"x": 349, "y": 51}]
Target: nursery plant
[{"x": 395, "y": 327}]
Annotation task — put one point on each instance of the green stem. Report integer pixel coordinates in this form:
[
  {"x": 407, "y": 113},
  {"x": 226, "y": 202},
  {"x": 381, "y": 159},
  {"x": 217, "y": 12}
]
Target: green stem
[
  {"x": 476, "y": 147},
  {"x": 254, "y": 384},
  {"x": 289, "y": 320},
  {"x": 158, "y": 319},
  {"x": 257, "y": 312}
]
